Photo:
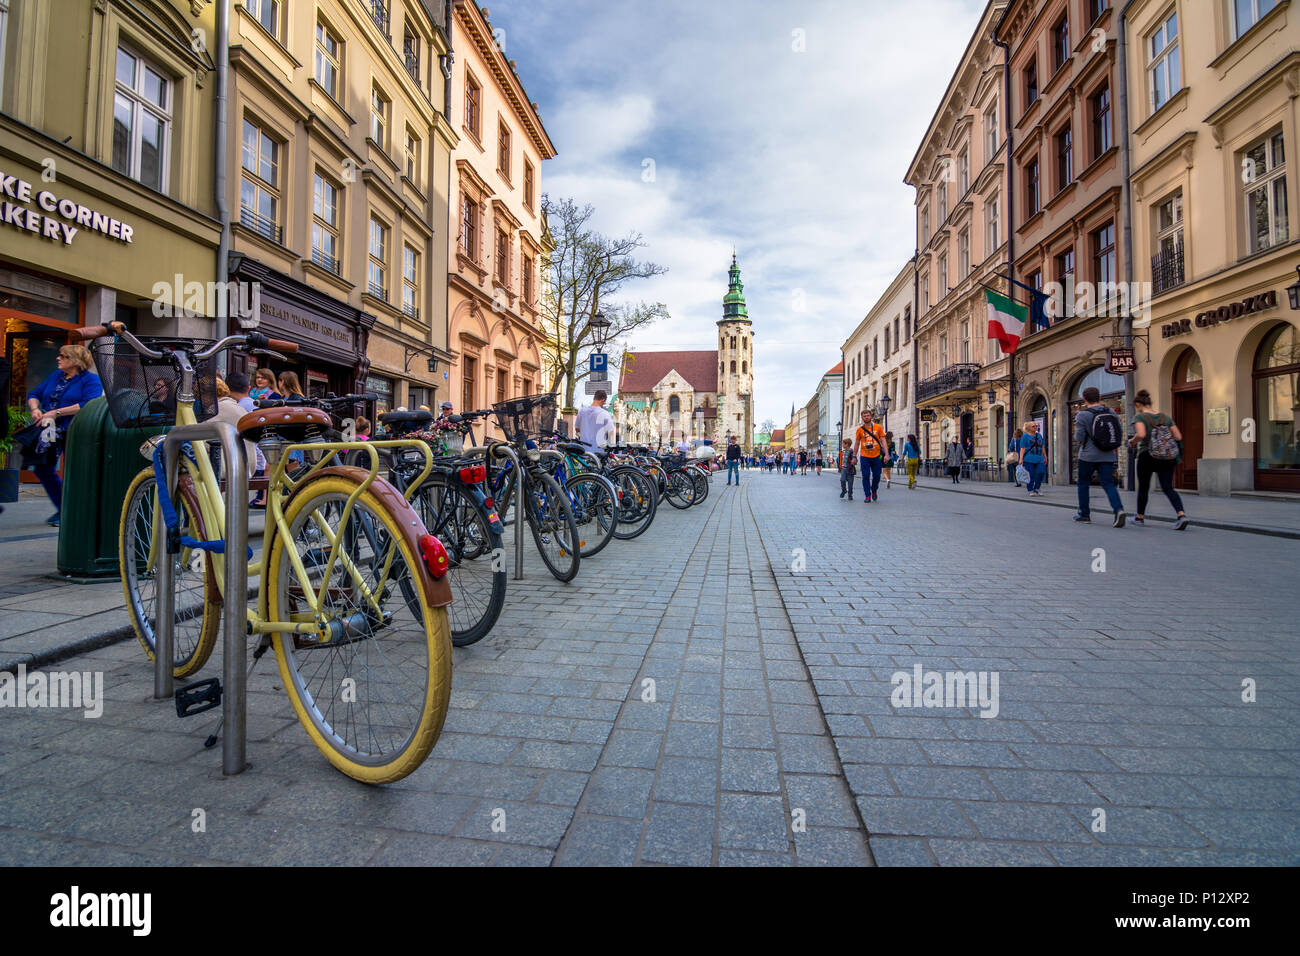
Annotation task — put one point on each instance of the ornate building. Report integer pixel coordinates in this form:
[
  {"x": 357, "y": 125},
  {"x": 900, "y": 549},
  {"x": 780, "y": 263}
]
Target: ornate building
[{"x": 706, "y": 394}]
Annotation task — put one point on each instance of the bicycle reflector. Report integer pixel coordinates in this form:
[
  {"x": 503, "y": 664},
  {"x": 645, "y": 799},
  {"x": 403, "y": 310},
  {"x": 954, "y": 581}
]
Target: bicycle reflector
[
  {"x": 434, "y": 556},
  {"x": 473, "y": 474}
]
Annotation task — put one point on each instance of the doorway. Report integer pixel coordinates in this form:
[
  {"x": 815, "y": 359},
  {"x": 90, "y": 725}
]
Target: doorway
[{"x": 1189, "y": 413}]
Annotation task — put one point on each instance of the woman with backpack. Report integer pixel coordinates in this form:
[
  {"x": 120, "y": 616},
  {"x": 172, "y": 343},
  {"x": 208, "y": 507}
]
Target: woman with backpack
[{"x": 1157, "y": 440}]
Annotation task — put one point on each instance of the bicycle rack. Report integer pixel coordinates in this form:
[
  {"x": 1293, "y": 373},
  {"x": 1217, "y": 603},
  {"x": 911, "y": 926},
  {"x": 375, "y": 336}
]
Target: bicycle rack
[
  {"x": 235, "y": 650},
  {"x": 519, "y": 508}
]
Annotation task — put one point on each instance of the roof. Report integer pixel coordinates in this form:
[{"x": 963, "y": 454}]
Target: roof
[
  {"x": 778, "y": 434},
  {"x": 642, "y": 371},
  {"x": 837, "y": 368}
]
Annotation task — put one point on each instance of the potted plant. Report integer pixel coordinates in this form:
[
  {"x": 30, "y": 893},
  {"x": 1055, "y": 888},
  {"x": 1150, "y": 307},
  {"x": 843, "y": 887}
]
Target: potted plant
[{"x": 10, "y": 457}]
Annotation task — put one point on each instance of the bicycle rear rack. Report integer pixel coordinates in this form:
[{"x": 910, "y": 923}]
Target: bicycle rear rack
[{"x": 234, "y": 674}]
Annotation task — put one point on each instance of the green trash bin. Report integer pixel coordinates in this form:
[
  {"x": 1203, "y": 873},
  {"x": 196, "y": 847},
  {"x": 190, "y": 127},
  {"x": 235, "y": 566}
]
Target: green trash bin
[{"x": 99, "y": 464}]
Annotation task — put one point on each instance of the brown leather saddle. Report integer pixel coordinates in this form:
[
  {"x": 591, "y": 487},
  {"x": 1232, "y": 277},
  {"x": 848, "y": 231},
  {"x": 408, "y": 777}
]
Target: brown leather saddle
[{"x": 290, "y": 424}]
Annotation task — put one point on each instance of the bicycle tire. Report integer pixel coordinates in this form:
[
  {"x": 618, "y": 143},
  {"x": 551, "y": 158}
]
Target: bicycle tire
[
  {"x": 701, "y": 489},
  {"x": 477, "y": 571},
  {"x": 680, "y": 492},
  {"x": 595, "y": 510},
  {"x": 198, "y": 596},
  {"x": 638, "y": 501},
  {"x": 550, "y": 519},
  {"x": 415, "y": 658}
]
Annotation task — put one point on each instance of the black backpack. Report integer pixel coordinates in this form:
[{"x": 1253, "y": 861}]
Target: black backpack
[{"x": 1105, "y": 431}]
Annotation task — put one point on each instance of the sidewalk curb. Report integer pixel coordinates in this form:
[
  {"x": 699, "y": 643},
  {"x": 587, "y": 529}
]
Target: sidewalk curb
[
  {"x": 1192, "y": 522},
  {"x": 82, "y": 645}
]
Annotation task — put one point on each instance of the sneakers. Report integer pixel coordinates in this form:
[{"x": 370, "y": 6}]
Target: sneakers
[
  {"x": 875, "y": 497},
  {"x": 53, "y": 520},
  {"x": 1138, "y": 520},
  {"x": 841, "y": 494},
  {"x": 1084, "y": 519},
  {"x": 1119, "y": 519},
  {"x": 1181, "y": 523}
]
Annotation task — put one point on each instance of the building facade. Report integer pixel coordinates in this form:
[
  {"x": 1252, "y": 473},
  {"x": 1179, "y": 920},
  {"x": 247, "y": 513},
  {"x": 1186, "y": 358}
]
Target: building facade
[
  {"x": 1066, "y": 181},
  {"x": 106, "y": 173},
  {"x": 830, "y": 405},
  {"x": 878, "y": 360},
  {"x": 958, "y": 173},
  {"x": 495, "y": 264},
  {"x": 668, "y": 396},
  {"x": 1213, "y": 130}
]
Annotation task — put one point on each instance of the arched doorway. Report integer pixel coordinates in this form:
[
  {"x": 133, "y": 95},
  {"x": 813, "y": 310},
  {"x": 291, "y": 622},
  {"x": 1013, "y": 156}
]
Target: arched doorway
[
  {"x": 1188, "y": 410},
  {"x": 1112, "y": 395},
  {"x": 1277, "y": 410}
]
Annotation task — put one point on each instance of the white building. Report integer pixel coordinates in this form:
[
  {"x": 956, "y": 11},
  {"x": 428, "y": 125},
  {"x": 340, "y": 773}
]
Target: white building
[
  {"x": 878, "y": 361},
  {"x": 830, "y": 405}
]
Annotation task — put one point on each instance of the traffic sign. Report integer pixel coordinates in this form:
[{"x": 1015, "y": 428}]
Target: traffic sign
[
  {"x": 599, "y": 363},
  {"x": 595, "y": 385}
]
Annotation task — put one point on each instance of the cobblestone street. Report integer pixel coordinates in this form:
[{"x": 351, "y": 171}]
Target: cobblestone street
[{"x": 718, "y": 691}]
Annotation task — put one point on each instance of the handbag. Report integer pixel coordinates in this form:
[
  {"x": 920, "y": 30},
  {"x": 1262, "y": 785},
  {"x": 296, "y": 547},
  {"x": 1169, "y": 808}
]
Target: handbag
[{"x": 1013, "y": 458}]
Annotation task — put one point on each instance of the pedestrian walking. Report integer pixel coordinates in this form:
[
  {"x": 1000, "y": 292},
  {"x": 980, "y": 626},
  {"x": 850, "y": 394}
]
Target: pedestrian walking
[
  {"x": 891, "y": 454},
  {"x": 846, "y": 465},
  {"x": 820, "y": 460},
  {"x": 733, "y": 462},
  {"x": 955, "y": 457},
  {"x": 1099, "y": 433},
  {"x": 1032, "y": 457},
  {"x": 912, "y": 459},
  {"x": 868, "y": 447},
  {"x": 1013, "y": 456},
  {"x": 803, "y": 461},
  {"x": 53, "y": 404},
  {"x": 1158, "y": 443}
]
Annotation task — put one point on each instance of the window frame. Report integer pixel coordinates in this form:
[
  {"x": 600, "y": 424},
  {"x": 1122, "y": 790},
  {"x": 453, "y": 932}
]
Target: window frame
[
  {"x": 325, "y": 226},
  {"x": 1274, "y": 173},
  {"x": 139, "y": 103},
  {"x": 1236, "y": 30},
  {"x": 505, "y": 156},
  {"x": 274, "y": 6},
  {"x": 322, "y": 57},
  {"x": 377, "y": 263},
  {"x": 253, "y": 177},
  {"x": 1159, "y": 61},
  {"x": 410, "y": 280},
  {"x": 473, "y": 106},
  {"x": 381, "y": 116}
]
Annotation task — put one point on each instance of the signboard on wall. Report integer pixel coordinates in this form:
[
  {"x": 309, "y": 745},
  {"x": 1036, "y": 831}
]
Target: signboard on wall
[
  {"x": 1218, "y": 421},
  {"x": 1120, "y": 361}
]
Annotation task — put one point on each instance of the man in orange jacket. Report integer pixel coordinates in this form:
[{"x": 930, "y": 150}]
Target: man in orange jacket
[{"x": 868, "y": 445}]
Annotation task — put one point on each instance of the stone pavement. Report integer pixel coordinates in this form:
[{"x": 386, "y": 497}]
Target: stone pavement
[{"x": 770, "y": 621}]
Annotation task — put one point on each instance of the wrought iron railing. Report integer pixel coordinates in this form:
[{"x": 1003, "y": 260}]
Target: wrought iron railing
[
  {"x": 413, "y": 65},
  {"x": 325, "y": 260},
  {"x": 1167, "y": 269},
  {"x": 411, "y": 310},
  {"x": 260, "y": 224},
  {"x": 379, "y": 13},
  {"x": 954, "y": 378},
  {"x": 378, "y": 291}
]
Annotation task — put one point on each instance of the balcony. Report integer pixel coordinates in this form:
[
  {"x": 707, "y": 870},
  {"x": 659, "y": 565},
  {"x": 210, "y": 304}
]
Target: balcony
[
  {"x": 952, "y": 380},
  {"x": 260, "y": 225},
  {"x": 413, "y": 65},
  {"x": 1167, "y": 269},
  {"x": 379, "y": 13}
]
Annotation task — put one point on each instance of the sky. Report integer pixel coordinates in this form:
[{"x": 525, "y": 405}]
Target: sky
[{"x": 780, "y": 129}]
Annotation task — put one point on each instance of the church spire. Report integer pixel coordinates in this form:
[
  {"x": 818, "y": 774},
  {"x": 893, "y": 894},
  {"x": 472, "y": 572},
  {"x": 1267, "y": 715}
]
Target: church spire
[{"x": 733, "y": 303}]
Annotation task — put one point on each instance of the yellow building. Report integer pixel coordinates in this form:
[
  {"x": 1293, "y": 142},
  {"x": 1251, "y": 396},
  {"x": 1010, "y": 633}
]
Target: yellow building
[
  {"x": 1213, "y": 127},
  {"x": 106, "y": 172}
]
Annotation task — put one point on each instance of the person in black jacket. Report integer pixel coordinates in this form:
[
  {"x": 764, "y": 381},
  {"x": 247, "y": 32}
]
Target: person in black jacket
[{"x": 733, "y": 461}]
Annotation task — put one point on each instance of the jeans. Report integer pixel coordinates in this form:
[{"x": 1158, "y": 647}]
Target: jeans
[
  {"x": 846, "y": 482},
  {"x": 870, "y": 475},
  {"x": 733, "y": 469},
  {"x": 1105, "y": 470},
  {"x": 1037, "y": 474},
  {"x": 913, "y": 465},
  {"x": 51, "y": 482},
  {"x": 1011, "y": 472},
  {"x": 1163, "y": 470}
]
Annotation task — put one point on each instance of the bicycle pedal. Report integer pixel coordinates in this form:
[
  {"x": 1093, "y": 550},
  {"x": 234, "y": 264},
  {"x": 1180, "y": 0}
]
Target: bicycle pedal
[{"x": 197, "y": 697}]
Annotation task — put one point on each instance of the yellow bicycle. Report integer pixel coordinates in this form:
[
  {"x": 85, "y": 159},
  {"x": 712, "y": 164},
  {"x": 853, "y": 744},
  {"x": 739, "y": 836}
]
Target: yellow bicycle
[{"x": 351, "y": 591}]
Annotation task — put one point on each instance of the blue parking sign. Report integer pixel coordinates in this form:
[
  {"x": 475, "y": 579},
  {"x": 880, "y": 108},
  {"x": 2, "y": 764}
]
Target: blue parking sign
[{"x": 599, "y": 363}]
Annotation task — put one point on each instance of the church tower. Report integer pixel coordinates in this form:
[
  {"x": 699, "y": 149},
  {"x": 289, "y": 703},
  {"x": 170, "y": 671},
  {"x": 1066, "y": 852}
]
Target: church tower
[{"x": 735, "y": 366}]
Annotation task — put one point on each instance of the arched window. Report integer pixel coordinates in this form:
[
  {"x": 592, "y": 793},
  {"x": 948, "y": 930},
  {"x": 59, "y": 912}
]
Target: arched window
[
  {"x": 733, "y": 341},
  {"x": 744, "y": 368},
  {"x": 1277, "y": 371},
  {"x": 722, "y": 368},
  {"x": 674, "y": 405},
  {"x": 733, "y": 365}
]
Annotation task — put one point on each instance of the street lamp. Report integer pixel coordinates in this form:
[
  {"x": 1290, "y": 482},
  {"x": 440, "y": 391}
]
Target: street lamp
[
  {"x": 1293, "y": 291},
  {"x": 885, "y": 402},
  {"x": 599, "y": 327},
  {"x": 992, "y": 395}
]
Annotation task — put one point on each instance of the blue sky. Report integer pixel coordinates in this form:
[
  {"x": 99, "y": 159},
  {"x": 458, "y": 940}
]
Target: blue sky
[{"x": 793, "y": 156}]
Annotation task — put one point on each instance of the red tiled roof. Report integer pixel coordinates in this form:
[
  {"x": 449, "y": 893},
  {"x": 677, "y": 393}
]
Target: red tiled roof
[
  {"x": 778, "y": 435},
  {"x": 837, "y": 368},
  {"x": 644, "y": 370}
]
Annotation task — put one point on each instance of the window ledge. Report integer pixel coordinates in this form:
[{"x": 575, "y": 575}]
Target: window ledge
[
  {"x": 1032, "y": 220},
  {"x": 1167, "y": 109},
  {"x": 333, "y": 278},
  {"x": 1091, "y": 169},
  {"x": 1249, "y": 36},
  {"x": 1062, "y": 194},
  {"x": 464, "y": 262}
]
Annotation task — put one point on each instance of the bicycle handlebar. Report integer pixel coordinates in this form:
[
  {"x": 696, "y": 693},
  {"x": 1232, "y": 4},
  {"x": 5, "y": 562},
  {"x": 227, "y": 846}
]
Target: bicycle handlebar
[{"x": 254, "y": 340}]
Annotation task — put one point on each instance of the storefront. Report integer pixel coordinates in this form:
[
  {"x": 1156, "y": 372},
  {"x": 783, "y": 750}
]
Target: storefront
[{"x": 38, "y": 314}]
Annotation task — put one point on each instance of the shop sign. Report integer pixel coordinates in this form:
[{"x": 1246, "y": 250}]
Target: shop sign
[
  {"x": 927, "y": 414},
  {"x": 1218, "y": 421},
  {"x": 1224, "y": 313},
  {"x": 1120, "y": 361},
  {"x": 283, "y": 315},
  {"x": 16, "y": 198}
]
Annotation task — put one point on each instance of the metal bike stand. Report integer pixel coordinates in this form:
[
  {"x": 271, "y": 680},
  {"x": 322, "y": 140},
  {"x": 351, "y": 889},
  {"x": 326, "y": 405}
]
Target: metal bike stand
[
  {"x": 234, "y": 674},
  {"x": 519, "y": 508}
]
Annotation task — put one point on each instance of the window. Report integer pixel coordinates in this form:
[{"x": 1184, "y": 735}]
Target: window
[
  {"x": 529, "y": 184},
  {"x": 328, "y": 59},
  {"x": 379, "y": 14},
  {"x": 744, "y": 368},
  {"x": 503, "y": 150},
  {"x": 411, "y": 52},
  {"x": 733, "y": 365},
  {"x": 1096, "y": 8},
  {"x": 925, "y": 225},
  {"x": 875, "y": 351},
  {"x": 897, "y": 341},
  {"x": 467, "y": 400},
  {"x": 469, "y": 213},
  {"x": 943, "y": 199},
  {"x": 1263, "y": 171},
  {"x": 943, "y": 350},
  {"x": 267, "y": 13},
  {"x": 410, "y": 281},
  {"x": 1246, "y": 13},
  {"x": 420, "y": 397},
  {"x": 887, "y": 350},
  {"x": 1032, "y": 197},
  {"x": 377, "y": 266},
  {"x": 1103, "y": 254},
  {"x": 992, "y": 236},
  {"x": 1167, "y": 262},
  {"x": 674, "y": 405},
  {"x": 528, "y": 278},
  {"x": 142, "y": 120},
  {"x": 325, "y": 224},
  {"x": 380, "y": 106},
  {"x": 1100, "y": 121},
  {"x": 1162, "y": 62},
  {"x": 1065, "y": 276},
  {"x": 503, "y": 257},
  {"x": 943, "y": 275},
  {"x": 925, "y": 293},
  {"x": 963, "y": 172},
  {"x": 965, "y": 342},
  {"x": 413, "y": 157},
  {"x": 259, "y": 195},
  {"x": 1061, "y": 43},
  {"x": 1064, "y": 158},
  {"x": 907, "y": 323},
  {"x": 963, "y": 253},
  {"x": 4, "y": 20},
  {"x": 503, "y": 375},
  {"x": 473, "y": 105},
  {"x": 1031, "y": 84},
  {"x": 990, "y": 133},
  {"x": 925, "y": 360}
]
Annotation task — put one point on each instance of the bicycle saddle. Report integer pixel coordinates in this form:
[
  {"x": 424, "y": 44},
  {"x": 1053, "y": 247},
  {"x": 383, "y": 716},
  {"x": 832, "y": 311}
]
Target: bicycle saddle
[
  {"x": 291, "y": 424},
  {"x": 417, "y": 417}
]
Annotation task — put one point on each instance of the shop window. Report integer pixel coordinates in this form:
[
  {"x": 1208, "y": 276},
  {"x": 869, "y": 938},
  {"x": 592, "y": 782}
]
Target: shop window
[
  {"x": 142, "y": 119},
  {"x": 421, "y": 397},
  {"x": 469, "y": 215},
  {"x": 473, "y": 105},
  {"x": 1277, "y": 402},
  {"x": 1163, "y": 78},
  {"x": 1246, "y": 13},
  {"x": 383, "y": 388},
  {"x": 381, "y": 108},
  {"x": 267, "y": 13},
  {"x": 325, "y": 224},
  {"x": 410, "y": 281},
  {"x": 377, "y": 264},
  {"x": 467, "y": 380},
  {"x": 259, "y": 185},
  {"x": 329, "y": 59},
  {"x": 1263, "y": 176}
]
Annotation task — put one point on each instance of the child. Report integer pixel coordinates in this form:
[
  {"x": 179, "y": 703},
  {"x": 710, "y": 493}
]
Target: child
[{"x": 848, "y": 468}]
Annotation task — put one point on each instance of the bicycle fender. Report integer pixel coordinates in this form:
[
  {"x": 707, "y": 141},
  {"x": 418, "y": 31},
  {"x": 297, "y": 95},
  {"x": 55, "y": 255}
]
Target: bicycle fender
[{"x": 436, "y": 592}]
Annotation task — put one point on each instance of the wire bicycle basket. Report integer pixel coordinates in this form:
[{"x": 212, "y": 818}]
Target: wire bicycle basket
[
  {"x": 526, "y": 416},
  {"x": 141, "y": 391}
]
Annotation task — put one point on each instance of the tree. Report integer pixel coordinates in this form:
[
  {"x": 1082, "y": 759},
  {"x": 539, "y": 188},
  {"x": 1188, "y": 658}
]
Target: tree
[
  {"x": 768, "y": 426},
  {"x": 586, "y": 270}
]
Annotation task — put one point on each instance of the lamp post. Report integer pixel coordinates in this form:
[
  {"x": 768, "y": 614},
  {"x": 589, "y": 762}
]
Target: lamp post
[
  {"x": 599, "y": 327},
  {"x": 885, "y": 402},
  {"x": 1292, "y": 293}
]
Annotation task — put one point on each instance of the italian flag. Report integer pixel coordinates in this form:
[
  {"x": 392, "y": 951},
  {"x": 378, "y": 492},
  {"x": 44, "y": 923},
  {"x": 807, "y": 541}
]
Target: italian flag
[{"x": 1006, "y": 321}]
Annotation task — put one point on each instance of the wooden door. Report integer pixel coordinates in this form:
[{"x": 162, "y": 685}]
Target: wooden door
[{"x": 1189, "y": 414}]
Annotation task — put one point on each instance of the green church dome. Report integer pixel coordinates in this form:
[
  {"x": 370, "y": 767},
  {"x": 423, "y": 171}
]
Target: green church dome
[{"x": 733, "y": 303}]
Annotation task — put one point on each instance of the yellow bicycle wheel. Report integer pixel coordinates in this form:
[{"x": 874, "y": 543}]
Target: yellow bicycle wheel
[
  {"x": 140, "y": 545},
  {"x": 372, "y": 689}
]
